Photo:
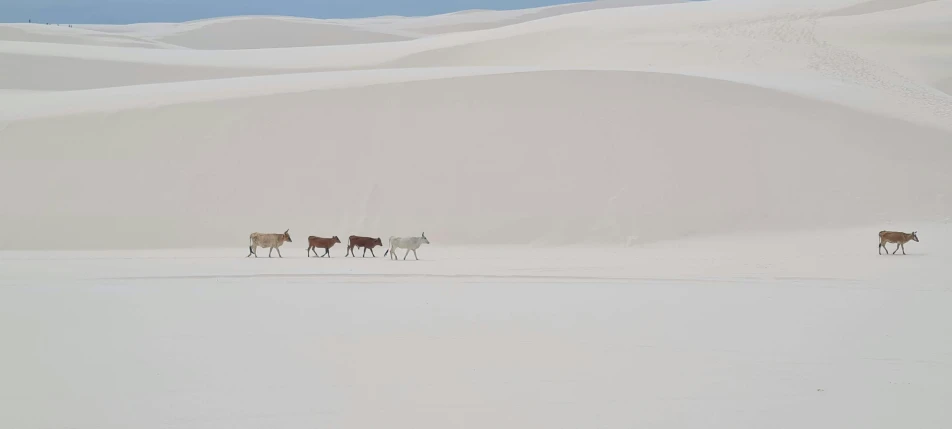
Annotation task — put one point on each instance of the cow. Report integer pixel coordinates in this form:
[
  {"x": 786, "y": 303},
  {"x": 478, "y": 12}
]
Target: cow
[
  {"x": 271, "y": 241},
  {"x": 314, "y": 243},
  {"x": 365, "y": 242},
  {"x": 409, "y": 243},
  {"x": 900, "y": 238}
]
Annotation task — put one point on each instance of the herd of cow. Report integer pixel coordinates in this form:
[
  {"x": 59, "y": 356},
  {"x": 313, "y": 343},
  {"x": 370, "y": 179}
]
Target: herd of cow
[{"x": 274, "y": 242}]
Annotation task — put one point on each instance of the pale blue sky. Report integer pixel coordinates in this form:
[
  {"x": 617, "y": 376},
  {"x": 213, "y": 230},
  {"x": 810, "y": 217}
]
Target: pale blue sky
[{"x": 128, "y": 11}]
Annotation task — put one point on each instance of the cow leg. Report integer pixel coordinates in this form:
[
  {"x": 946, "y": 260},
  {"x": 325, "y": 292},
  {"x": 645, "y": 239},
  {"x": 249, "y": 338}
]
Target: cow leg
[
  {"x": 414, "y": 254},
  {"x": 897, "y": 249},
  {"x": 270, "y": 249},
  {"x": 279, "y": 252},
  {"x": 903, "y": 245},
  {"x": 251, "y": 251},
  {"x": 880, "y": 249},
  {"x": 327, "y": 252},
  {"x": 372, "y": 252},
  {"x": 405, "y": 255},
  {"x": 364, "y": 255}
]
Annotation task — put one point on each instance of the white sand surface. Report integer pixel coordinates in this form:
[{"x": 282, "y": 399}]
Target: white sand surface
[
  {"x": 641, "y": 215},
  {"x": 467, "y": 163},
  {"x": 798, "y": 330},
  {"x": 592, "y": 125}
]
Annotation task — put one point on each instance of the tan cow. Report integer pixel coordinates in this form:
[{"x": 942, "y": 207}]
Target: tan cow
[
  {"x": 900, "y": 238},
  {"x": 271, "y": 241}
]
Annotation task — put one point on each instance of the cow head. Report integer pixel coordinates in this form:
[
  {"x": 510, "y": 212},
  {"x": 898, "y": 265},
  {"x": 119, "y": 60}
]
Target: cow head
[
  {"x": 915, "y": 237},
  {"x": 378, "y": 242},
  {"x": 286, "y": 236},
  {"x": 336, "y": 240},
  {"x": 424, "y": 238}
]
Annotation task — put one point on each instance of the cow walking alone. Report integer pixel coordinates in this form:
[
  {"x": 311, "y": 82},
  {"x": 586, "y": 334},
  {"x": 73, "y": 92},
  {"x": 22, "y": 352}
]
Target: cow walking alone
[
  {"x": 409, "y": 243},
  {"x": 271, "y": 241},
  {"x": 900, "y": 238}
]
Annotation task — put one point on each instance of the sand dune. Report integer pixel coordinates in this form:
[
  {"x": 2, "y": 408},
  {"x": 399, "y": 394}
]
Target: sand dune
[
  {"x": 605, "y": 126},
  {"x": 876, "y": 6},
  {"x": 72, "y": 36},
  {"x": 473, "y": 20},
  {"x": 522, "y": 160},
  {"x": 52, "y": 73},
  {"x": 640, "y": 216},
  {"x": 916, "y": 40},
  {"x": 861, "y": 61},
  {"x": 271, "y": 33}
]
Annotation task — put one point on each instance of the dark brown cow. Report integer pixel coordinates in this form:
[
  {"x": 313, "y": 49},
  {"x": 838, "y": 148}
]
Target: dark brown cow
[
  {"x": 321, "y": 243},
  {"x": 365, "y": 242}
]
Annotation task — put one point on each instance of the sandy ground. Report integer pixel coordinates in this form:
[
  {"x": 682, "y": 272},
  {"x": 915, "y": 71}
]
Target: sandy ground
[
  {"x": 642, "y": 213},
  {"x": 783, "y": 331}
]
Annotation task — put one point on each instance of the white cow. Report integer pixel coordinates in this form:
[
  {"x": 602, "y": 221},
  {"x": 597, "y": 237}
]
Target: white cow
[
  {"x": 409, "y": 243},
  {"x": 271, "y": 241}
]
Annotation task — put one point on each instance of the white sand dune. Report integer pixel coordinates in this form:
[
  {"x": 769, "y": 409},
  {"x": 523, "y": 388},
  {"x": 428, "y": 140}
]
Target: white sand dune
[
  {"x": 549, "y": 131},
  {"x": 272, "y": 32},
  {"x": 472, "y": 20},
  {"x": 876, "y": 6},
  {"x": 528, "y": 164},
  {"x": 66, "y": 35},
  {"x": 914, "y": 40},
  {"x": 640, "y": 215},
  {"x": 840, "y": 59}
]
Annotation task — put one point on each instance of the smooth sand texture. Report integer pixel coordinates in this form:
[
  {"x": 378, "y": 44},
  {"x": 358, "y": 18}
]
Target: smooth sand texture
[
  {"x": 584, "y": 126},
  {"x": 810, "y": 329},
  {"x": 640, "y": 215}
]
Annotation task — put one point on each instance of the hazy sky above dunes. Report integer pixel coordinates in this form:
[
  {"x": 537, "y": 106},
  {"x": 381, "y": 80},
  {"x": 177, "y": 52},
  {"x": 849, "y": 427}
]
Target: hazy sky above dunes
[{"x": 130, "y": 11}]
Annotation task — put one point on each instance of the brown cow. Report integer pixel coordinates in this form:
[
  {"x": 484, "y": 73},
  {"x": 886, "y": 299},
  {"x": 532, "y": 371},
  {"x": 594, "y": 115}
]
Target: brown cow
[
  {"x": 321, "y": 243},
  {"x": 900, "y": 238},
  {"x": 365, "y": 242}
]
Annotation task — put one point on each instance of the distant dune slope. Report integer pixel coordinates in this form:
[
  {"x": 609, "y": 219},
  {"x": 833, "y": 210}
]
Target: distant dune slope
[
  {"x": 487, "y": 19},
  {"x": 546, "y": 158},
  {"x": 261, "y": 33},
  {"x": 50, "y": 73},
  {"x": 875, "y": 6},
  {"x": 915, "y": 41},
  {"x": 891, "y": 62},
  {"x": 71, "y": 36},
  {"x": 586, "y": 123}
]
